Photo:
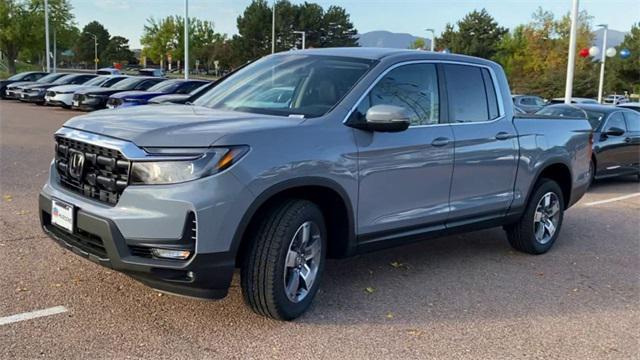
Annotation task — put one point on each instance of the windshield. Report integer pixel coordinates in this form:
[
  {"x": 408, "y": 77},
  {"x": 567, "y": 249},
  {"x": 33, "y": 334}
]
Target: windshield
[
  {"x": 128, "y": 84},
  {"x": 64, "y": 80},
  {"x": 595, "y": 118},
  {"x": 165, "y": 86},
  {"x": 562, "y": 111},
  {"x": 51, "y": 77},
  {"x": 97, "y": 81},
  {"x": 18, "y": 76},
  {"x": 292, "y": 84},
  {"x": 111, "y": 81}
]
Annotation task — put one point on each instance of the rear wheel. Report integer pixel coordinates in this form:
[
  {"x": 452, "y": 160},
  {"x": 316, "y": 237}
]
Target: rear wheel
[
  {"x": 281, "y": 271},
  {"x": 539, "y": 226},
  {"x": 592, "y": 171}
]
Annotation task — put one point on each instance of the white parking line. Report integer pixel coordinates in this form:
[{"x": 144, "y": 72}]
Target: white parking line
[
  {"x": 32, "y": 315},
  {"x": 612, "y": 199}
]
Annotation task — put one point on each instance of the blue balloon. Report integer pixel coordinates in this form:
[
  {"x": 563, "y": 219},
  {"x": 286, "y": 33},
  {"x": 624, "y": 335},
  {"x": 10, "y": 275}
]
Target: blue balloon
[{"x": 625, "y": 53}]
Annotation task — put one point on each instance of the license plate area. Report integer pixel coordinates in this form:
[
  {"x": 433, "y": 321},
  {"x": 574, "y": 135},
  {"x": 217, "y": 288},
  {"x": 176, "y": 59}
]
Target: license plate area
[{"x": 63, "y": 215}]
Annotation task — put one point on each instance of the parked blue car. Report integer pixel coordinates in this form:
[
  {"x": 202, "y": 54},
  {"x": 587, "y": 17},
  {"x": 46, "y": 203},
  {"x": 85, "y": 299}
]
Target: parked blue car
[{"x": 132, "y": 98}]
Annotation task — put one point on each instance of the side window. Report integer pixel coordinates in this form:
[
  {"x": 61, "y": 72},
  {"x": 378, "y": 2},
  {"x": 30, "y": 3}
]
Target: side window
[
  {"x": 146, "y": 84},
  {"x": 414, "y": 87},
  {"x": 492, "y": 98},
  {"x": 633, "y": 120},
  {"x": 467, "y": 95},
  {"x": 616, "y": 120},
  {"x": 527, "y": 101},
  {"x": 188, "y": 87}
]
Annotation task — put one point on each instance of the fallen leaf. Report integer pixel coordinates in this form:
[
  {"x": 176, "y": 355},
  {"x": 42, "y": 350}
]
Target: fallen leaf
[
  {"x": 22, "y": 212},
  {"x": 370, "y": 290},
  {"x": 399, "y": 265},
  {"x": 541, "y": 274},
  {"x": 7, "y": 198},
  {"x": 389, "y": 315},
  {"x": 414, "y": 332}
]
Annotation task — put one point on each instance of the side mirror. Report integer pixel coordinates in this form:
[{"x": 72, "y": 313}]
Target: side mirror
[
  {"x": 387, "y": 118},
  {"x": 614, "y": 131}
]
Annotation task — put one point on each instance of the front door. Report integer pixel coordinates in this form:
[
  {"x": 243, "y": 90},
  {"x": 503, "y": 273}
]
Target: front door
[
  {"x": 612, "y": 148},
  {"x": 486, "y": 148},
  {"x": 404, "y": 177}
]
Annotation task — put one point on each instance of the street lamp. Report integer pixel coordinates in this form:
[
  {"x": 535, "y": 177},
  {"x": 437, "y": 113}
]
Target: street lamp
[
  {"x": 46, "y": 33},
  {"x": 273, "y": 27},
  {"x": 571, "y": 60},
  {"x": 602, "y": 61},
  {"x": 95, "y": 51},
  {"x": 186, "y": 39},
  {"x": 433, "y": 38},
  {"x": 303, "y": 37}
]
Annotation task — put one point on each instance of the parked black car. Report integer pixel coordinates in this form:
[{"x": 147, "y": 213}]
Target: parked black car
[
  {"x": 94, "y": 98},
  {"x": 35, "y": 93},
  {"x": 528, "y": 103},
  {"x": 616, "y": 137},
  {"x": 181, "y": 98},
  {"x": 23, "y": 76},
  {"x": 14, "y": 90}
]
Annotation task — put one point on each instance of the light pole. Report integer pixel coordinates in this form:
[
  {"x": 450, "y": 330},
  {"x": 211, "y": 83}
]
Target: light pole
[
  {"x": 303, "y": 37},
  {"x": 95, "y": 51},
  {"x": 273, "y": 27},
  {"x": 602, "y": 60},
  {"x": 433, "y": 38},
  {"x": 186, "y": 39},
  {"x": 46, "y": 33},
  {"x": 571, "y": 61}
]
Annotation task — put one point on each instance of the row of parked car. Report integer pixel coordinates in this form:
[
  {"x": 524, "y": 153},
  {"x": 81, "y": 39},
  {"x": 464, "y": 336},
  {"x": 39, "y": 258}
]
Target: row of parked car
[
  {"x": 616, "y": 129},
  {"x": 84, "y": 91}
]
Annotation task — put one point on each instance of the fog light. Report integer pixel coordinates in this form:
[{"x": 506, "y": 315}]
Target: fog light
[{"x": 171, "y": 254}]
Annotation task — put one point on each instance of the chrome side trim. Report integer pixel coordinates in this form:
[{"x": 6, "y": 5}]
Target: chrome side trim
[{"x": 501, "y": 110}]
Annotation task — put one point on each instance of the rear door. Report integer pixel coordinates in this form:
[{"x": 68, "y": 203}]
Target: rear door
[
  {"x": 404, "y": 177},
  {"x": 486, "y": 147},
  {"x": 632, "y": 138},
  {"x": 611, "y": 152}
]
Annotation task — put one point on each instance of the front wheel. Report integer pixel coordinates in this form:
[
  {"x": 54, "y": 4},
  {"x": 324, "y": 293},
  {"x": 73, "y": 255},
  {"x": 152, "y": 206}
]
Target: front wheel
[
  {"x": 539, "y": 226},
  {"x": 281, "y": 271}
]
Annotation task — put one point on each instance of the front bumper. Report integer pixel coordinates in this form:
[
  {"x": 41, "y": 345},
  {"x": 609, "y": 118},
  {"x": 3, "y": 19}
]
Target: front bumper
[
  {"x": 59, "y": 99},
  {"x": 32, "y": 97},
  {"x": 120, "y": 237},
  {"x": 99, "y": 240},
  {"x": 89, "y": 104},
  {"x": 13, "y": 94}
]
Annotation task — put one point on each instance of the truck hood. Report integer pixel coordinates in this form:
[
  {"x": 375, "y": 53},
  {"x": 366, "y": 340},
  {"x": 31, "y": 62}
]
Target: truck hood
[
  {"x": 174, "y": 125},
  {"x": 20, "y": 84}
]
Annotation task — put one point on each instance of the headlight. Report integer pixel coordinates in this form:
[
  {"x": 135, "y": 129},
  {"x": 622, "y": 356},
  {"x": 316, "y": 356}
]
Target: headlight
[{"x": 213, "y": 161}]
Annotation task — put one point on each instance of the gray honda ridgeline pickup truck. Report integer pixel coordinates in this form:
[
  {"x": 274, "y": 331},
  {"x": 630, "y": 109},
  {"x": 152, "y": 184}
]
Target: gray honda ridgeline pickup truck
[{"x": 308, "y": 155}]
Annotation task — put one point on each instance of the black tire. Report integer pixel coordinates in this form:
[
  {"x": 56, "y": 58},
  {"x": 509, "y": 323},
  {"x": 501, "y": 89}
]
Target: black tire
[
  {"x": 592, "y": 172},
  {"x": 263, "y": 267},
  {"x": 521, "y": 235}
]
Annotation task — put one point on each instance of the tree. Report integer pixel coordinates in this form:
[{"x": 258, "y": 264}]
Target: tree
[
  {"x": 339, "y": 30},
  {"x": 624, "y": 74},
  {"x": 478, "y": 35},
  {"x": 22, "y": 29},
  {"x": 85, "y": 47},
  {"x": 419, "y": 43},
  {"x": 117, "y": 51}
]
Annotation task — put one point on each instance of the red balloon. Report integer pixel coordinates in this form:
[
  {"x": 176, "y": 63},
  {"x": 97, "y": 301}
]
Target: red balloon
[{"x": 584, "y": 52}]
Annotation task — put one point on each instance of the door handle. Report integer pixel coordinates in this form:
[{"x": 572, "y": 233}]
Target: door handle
[
  {"x": 441, "y": 141},
  {"x": 503, "y": 136},
  {"x": 628, "y": 140}
]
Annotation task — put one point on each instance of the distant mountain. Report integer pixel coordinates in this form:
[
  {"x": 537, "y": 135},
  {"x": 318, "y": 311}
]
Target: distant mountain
[
  {"x": 614, "y": 37},
  {"x": 388, "y": 39}
]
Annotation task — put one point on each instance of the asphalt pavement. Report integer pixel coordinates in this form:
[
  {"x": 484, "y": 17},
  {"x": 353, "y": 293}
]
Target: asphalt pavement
[{"x": 460, "y": 297}]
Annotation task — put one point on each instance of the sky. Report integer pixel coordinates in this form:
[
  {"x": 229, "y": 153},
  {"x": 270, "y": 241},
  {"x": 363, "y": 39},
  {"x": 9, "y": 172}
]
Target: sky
[{"x": 127, "y": 17}]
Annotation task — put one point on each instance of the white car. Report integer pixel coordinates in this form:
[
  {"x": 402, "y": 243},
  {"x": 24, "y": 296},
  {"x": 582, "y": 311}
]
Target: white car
[
  {"x": 63, "y": 95},
  {"x": 615, "y": 99}
]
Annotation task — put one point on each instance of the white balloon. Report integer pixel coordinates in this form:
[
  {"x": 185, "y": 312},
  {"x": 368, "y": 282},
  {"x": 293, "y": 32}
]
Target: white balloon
[
  {"x": 594, "y": 51},
  {"x": 611, "y": 52}
]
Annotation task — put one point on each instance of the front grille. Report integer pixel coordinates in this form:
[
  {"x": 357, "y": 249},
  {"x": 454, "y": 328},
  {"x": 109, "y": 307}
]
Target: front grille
[
  {"x": 78, "y": 97},
  {"x": 51, "y": 93},
  {"x": 103, "y": 176}
]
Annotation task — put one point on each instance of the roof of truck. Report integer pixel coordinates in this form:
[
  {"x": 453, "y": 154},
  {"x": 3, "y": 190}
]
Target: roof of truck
[{"x": 373, "y": 53}]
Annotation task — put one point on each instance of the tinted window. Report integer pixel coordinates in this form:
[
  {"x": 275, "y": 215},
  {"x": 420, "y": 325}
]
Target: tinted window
[
  {"x": 528, "y": 101},
  {"x": 466, "y": 93},
  {"x": 633, "y": 121},
  {"x": 492, "y": 98},
  {"x": 189, "y": 87},
  {"x": 616, "y": 120},
  {"x": 562, "y": 111},
  {"x": 110, "y": 82},
  {"x": 413, "y": 87}
]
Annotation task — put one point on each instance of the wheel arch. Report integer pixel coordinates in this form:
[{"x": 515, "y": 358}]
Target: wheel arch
[
  {"x": 558, "y": 171},
  {"x": 330, "y": 196}
]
